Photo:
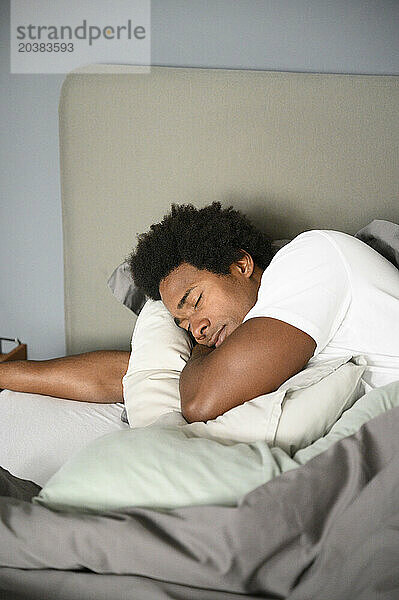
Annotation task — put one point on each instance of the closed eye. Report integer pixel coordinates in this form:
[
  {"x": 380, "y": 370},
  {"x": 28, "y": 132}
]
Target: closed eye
[
  {"x": 196, "y": 304},
  {"x": 178, "y": 322}
]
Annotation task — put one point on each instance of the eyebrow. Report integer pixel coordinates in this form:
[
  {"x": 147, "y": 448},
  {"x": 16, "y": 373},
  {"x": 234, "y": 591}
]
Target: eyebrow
[{"x": 182, "y": 303}]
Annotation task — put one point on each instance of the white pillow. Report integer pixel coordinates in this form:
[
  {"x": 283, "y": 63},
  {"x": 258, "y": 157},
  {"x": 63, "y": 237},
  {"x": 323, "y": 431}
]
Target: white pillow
[
  {"x": 309, "y": 413},
  {"x": 160, "y": 349},
  {"x": 302, "y": 410}
]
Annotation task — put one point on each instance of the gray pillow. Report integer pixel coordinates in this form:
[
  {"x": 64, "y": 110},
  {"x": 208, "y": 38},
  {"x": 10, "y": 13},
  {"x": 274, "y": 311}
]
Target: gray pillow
[
  {"x": 382, "y": 236},
  {"x": 125, "y": 290}
]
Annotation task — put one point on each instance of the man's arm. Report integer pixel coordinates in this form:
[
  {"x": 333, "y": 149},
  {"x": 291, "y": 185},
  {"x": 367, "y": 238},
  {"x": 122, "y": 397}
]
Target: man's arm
[
  {"x": 90, "y": 377},
  {"x": 255, "y": 359}
]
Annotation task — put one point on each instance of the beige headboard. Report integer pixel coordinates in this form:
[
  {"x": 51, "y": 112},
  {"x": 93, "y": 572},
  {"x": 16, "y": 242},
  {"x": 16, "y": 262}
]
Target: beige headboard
[{"x": 294, "y": 151}]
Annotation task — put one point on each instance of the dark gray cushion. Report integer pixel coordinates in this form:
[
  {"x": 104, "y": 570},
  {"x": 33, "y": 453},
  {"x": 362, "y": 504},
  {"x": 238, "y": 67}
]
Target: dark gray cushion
[
  {"x": 125, "y": 290},
  {"x": 383, "y": 236}
]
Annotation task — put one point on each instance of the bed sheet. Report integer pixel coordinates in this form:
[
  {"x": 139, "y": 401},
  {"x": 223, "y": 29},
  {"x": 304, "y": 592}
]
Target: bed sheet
[{"x": 39, "y": 433}]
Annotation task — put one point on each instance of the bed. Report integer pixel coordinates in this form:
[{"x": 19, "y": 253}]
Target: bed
[{"x": 295, "y": 152}]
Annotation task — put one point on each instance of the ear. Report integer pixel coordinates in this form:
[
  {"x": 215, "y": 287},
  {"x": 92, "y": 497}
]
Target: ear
[{"x": 245, "y": 264}]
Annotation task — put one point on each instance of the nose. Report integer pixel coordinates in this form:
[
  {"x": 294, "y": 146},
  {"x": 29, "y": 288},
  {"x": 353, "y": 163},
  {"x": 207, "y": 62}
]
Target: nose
[{"x": 199, "y": 328}]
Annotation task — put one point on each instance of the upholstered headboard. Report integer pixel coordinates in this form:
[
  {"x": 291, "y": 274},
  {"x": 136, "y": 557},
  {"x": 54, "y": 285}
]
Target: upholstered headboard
[{"x": 294, "y": 151}]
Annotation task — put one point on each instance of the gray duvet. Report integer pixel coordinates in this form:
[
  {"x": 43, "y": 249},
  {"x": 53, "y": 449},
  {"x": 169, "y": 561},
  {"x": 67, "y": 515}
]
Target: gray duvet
[{"x": 327, "y": 530}]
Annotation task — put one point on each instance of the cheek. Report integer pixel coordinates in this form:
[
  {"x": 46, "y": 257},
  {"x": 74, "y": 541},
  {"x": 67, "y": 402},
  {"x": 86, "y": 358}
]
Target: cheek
[
  {"x": 227, "y": 304},
  {"x": 238, "y": 308},
  {"x": 228, "y": 307}
]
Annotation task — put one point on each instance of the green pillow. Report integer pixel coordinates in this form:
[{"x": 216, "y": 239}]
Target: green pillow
[
  {"x": 159, "y": 466},
  {"x": 163, "y": 466}
]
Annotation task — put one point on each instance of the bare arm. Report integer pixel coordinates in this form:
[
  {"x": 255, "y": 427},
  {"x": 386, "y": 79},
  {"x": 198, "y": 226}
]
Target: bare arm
[
  {"x": 90, "y": 377},
  {"x": 255, "y": 359}
]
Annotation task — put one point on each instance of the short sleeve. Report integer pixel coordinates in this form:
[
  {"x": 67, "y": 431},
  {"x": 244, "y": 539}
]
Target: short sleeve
[{"x": 307, "y": 285}]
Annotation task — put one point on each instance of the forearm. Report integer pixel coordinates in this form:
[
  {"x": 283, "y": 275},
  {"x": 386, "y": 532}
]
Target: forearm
[{"x": 90, "y": 377}]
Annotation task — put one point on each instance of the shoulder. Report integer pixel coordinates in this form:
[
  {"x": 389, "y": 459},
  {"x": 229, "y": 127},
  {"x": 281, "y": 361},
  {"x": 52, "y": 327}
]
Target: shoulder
[
  {"x": 325, "y": 239},
  {"x": 312, "y": 252},
  {"x": 307, "y": 285}
]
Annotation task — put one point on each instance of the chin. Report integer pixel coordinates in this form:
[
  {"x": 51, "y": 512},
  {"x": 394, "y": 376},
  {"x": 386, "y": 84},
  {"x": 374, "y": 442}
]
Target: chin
[{"x": 230, "y": 327}]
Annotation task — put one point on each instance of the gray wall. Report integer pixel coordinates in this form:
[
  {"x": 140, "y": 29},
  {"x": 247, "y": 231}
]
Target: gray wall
[
  {"x": 291, "y": 35},
  {"x": 31, "y": 267}
]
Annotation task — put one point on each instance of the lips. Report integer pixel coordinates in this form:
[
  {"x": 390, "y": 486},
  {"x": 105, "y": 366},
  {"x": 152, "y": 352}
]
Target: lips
[
  {"x": 215, "y": 337},
  {"x": 220, "y": 336}
]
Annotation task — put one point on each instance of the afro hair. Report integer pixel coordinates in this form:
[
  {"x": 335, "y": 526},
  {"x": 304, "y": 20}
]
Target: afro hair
[{"x": 209, "y": 238}]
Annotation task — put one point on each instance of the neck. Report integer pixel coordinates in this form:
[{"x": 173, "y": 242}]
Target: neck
[{"x": 257, "y": 276}]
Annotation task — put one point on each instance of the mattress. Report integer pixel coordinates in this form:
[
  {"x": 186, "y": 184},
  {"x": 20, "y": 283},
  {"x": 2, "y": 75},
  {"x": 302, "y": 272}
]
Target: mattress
[{"x": 39, "y": 433}]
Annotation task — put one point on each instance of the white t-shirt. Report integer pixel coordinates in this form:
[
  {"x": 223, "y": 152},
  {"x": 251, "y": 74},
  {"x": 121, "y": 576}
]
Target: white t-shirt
[{"x": 342, "y": 293}]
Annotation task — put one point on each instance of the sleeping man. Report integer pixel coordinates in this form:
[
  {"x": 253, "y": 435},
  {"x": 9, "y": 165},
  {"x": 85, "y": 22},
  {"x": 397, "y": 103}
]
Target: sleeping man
[{"x": 256, "y": 319}]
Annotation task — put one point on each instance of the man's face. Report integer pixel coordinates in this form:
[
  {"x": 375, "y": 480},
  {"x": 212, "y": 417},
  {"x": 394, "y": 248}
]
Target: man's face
[{"x": 207, "y": 305}]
